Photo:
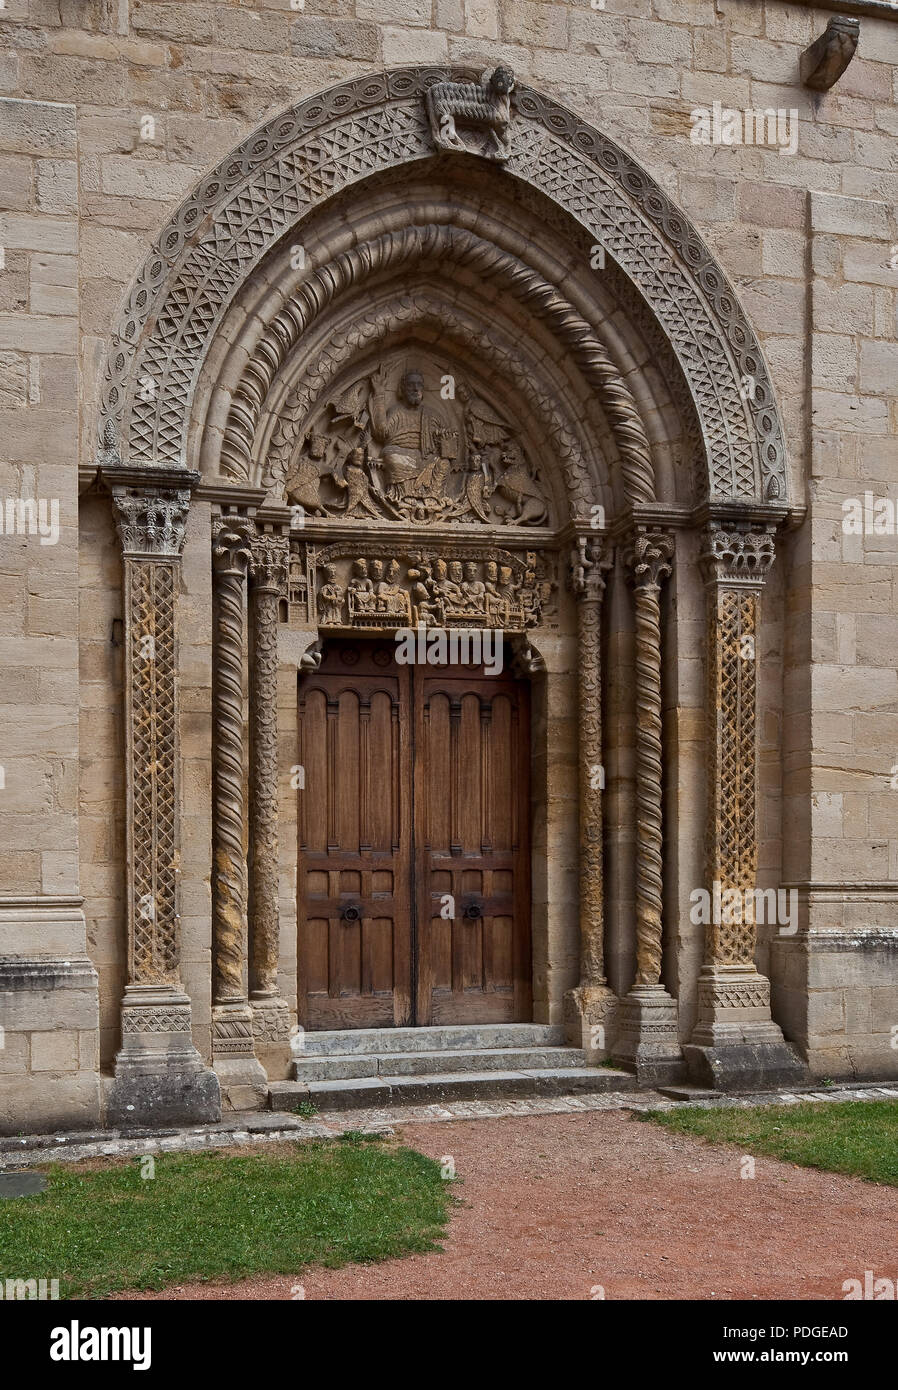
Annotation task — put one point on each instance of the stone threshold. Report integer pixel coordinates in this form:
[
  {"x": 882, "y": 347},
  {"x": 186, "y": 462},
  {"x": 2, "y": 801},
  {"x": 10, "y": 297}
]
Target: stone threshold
[{"x": 31, "y": 1151}]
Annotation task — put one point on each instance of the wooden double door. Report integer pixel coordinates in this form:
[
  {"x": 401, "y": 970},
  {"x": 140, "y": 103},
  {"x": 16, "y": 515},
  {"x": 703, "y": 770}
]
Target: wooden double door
[{"x": 414, "y": 873}]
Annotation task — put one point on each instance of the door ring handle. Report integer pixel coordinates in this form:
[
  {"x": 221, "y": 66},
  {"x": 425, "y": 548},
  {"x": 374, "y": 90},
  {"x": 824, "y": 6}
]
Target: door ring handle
[{"x": 351, "y": 913}]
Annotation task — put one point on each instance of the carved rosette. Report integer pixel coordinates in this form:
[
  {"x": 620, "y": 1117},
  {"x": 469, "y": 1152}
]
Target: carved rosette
[
  {"x": 268, "y": 575},
  {"x": 736, "y": 561},
  {"x": 589, "y": 564},
  {"x": 231, "y": 560},
  {"x": 650, "y": 561}
]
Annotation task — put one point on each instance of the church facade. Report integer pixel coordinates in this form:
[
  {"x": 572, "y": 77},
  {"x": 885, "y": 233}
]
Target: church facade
[{"x": 450, "y": 544}]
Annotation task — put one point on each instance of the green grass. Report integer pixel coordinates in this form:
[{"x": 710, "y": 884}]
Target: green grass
[
  {"x": 214, "y": 1215},
  {"x": 859, "y": 1137}
]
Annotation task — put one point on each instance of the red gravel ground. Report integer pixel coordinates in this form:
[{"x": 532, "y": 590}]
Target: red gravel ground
[{"x": 554, "y": 1205}]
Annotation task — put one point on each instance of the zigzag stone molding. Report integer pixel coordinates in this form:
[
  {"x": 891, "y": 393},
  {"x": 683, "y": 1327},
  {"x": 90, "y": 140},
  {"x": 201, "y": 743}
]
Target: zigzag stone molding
[{"x": 302, "y": 157}]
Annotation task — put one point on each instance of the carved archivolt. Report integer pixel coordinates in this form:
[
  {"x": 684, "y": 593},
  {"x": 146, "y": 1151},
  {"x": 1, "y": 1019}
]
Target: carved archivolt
[
  {"x": 439, "y": 245},
  {"x": 301, "y": 158},
  {"x": 406, "y": 312}
]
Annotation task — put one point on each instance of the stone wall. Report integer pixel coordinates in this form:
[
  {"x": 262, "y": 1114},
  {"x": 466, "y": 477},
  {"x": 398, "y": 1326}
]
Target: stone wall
[{"x": 110, "y": 113}]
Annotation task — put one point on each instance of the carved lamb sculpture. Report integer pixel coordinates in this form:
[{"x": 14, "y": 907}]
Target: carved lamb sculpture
[{"x": 485, "y": 104}]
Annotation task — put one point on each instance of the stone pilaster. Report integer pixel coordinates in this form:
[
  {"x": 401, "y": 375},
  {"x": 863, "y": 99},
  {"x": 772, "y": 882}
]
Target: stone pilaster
[
  {"x": 648, "y": 1035},
  {"x": 159, "y": 1075},
  {"x": 268, "y": 580},
  {"x": 735, "y": 1042},
  {"x": 233, "y": 1051},
  {"x": 589, "y": 1010}
]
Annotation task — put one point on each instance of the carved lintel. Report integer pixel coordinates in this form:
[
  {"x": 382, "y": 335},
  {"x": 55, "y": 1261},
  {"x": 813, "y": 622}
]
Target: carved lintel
[
  {"x": 824, "y": 62},
  {"x": 383, "y": 587}
]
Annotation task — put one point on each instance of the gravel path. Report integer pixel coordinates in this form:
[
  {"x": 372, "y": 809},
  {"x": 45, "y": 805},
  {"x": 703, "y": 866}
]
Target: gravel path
[{"x": 554, "y": 1205}]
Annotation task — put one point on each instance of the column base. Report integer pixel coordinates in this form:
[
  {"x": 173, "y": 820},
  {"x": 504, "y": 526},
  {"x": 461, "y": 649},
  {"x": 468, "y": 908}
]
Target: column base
[
  {"x": 244, "y": 1084},
  {"x": 271, "y": 1035},
  {"x": 590, "y": 1019},
  {"x": 160, "y": 1078},
  {"x": 648, "y": 1040},
  {"x": 736, "y": 1046}
]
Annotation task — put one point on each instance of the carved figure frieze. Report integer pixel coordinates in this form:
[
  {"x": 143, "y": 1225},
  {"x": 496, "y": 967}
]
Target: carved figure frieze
[
  {"x": 482, "y": 109},
  {"x": 409, "y": 442},
  {"x": 473, "y": 586}
]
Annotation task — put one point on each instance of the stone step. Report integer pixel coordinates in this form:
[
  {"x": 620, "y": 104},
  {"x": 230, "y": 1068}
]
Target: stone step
[
  {"x": 362, "y": 1092},
  {"x": 347, "y": 1067},
  {"x": 453, "y": 1038}
]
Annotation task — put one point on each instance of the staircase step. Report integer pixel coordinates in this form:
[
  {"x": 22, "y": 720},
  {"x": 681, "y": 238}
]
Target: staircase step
[
  {"x": 453, "y": 1038},
  {"x": 344, "y": 1068},
  {"x": 380, "y": 1091}
]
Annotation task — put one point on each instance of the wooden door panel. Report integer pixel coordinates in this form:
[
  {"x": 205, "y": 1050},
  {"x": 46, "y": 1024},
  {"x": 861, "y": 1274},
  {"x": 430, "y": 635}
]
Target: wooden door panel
[
  {"x": 354, "y": 823},
  {"x": 471, "y": 845}
]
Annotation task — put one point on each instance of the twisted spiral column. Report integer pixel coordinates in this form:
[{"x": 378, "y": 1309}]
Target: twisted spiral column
[
  {"x": 648, "y": 1037},
  {"x": 232, "y": 1021},
  {"x": 589, "y": 1009},
  {"x": 651, "y": 562}
]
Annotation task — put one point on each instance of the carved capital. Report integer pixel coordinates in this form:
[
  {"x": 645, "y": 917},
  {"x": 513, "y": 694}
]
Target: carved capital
[
  {"x": 739, "y": 554},
  {"x": 269, "y": 561},
  {"x": 589, "y": 564},
  {"x": 151, "y": 520},
  {"x": 649, "y": 557},
  {"x": 232, "y": 545}
]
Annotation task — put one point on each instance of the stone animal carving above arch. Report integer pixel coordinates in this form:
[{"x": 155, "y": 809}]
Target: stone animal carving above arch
[{"x": 302, "y": 157}]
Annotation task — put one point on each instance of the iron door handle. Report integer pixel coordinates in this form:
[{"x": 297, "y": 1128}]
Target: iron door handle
[{"x": 351, "y": 913}]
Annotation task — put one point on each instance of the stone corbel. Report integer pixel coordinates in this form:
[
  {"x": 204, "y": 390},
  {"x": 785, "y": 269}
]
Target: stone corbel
[
  {"x": 589, "y": 1010},
  {"x": 160, "y": 1077},
  {"x": 648, "y": 1035},
  {"x": 735, "y": 1042}
]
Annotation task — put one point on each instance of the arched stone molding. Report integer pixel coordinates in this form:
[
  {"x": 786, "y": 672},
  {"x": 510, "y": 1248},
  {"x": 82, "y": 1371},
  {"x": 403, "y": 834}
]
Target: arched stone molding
[
  {"x": 419, "y": 246},
  {"x": 299, "y": 163},
  {"x": 417, "y": 311},
  {"x": 302, "y": 157}
]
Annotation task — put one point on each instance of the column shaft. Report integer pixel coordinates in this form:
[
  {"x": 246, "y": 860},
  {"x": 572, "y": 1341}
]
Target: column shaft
[{"x": 159, "y": 1075}]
